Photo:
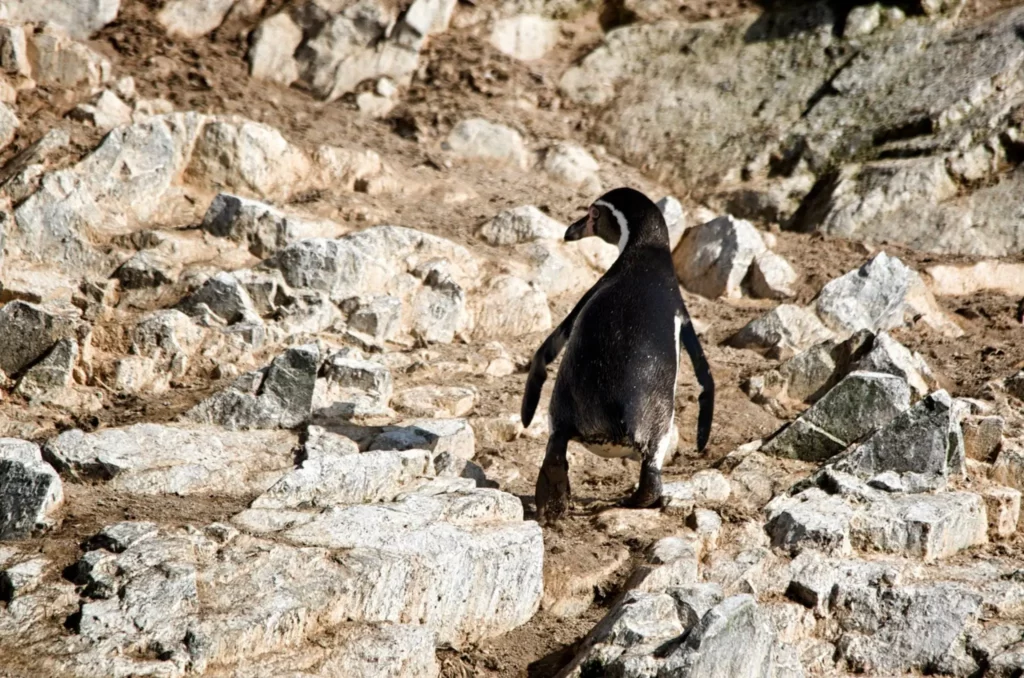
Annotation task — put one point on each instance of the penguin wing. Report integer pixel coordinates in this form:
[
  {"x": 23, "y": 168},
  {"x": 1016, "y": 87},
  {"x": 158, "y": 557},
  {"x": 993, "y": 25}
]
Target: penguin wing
[
  {"x": 546, "y": 354},
  {"x": 706, "y": 400}
]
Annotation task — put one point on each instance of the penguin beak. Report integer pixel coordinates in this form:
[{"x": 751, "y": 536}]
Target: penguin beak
[{"x": 581, "y": 229}]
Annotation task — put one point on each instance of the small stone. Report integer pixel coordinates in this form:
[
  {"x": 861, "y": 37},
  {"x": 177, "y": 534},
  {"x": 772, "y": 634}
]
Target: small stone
[
  {"x": 52, "y": 373},
  {"x": 771, "y": 277},
  {"x": 675, "y": 219},
  {"x": 784, "y": 331},
  {"x": 479, "y": 139},
  {"x": 442, "y": 436},
  {"x": 1003, "y": 506},
  {"x": 862, "y": 20},
  {"x": 713, "y": 259},
  {"x": 573, "y": 166},
  {"x": 1009, "y": 466},
  {"x": 224, "y": 295},
  {"x": 193, "y": 18},
  {"x": 526, "y": 37},
  {"x": 710, "y": 486},
  {"x": 28, "y": 332},
  {"x": 521, "y": 224},
  {"x": 352, "y": 387},
  {"x": 983, "y": 436},
  {"x": 106, "y": 112},
  {"x": 30, "y": 490},
  {"x": 20, "y": 579},
  {"x": 810, "y": 520},
  {"x": 708, "y": 526}
]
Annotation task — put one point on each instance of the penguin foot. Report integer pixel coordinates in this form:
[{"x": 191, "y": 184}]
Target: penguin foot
[
  {"x": 641, "y": 499},
  {"x": 552, "y": 494}
]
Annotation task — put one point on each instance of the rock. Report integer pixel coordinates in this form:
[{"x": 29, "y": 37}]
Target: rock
[
  {"x": 373, "y": 105},
  {"x": 163, "y": 344},
  {"x": 19, "y": 579},
  {"x": 983, "y": 436},
  {"x": 1001, "y": 277},
  {"x": 271, "y": 54},
  {"x": 675, "y": 219},
  {"x": 249, "y": 158},
  {"x": 79, "y": 18},
  {"x": 885, "y": 354},
  {"x": 28, "y": 332},
  {"x": 377, "y": 318},
  {"x": 771, "y": 276},
  {"x": 435, "y": 401},
  {"x": 785, "y": 330},
  {"x": 1009, "y": 467},
  {"x": 511, "y": 307},
  {"x": 280, "y": 395},
  {"x": 857, "y": 405},
  {"x": 573, "y": 166},
  {"x": 710, "y": 486},
  {"x": 8, "y": 125},
  {"x": 710, "y": 648},
  {"x": 224, "y": 295},
  {"x": 52, "y": 373},
  {"x": 453, "y": 437},
  {"x": 264, "y": 229},
  {"x": 713, "y": 259},
  {"x": 1003, "y": 507},
  {"x": 810, "y": 520},
  {"x": 815, "y": 579},
  {"x": 670, "y": 562},
  {"x": 333, "y": 480},
  {"x": 145, "y": 270},
  {"x": 14, "y": 58},
  {"x": 923, "y": 445},
  {"x": 479, "y": 139},
  {"x": 862, "y": 21},
  {"x": 924, "y": 526},
  {"x": 871, "y": 298},
  {"x": 193, "y": 18},
  {"x": 30, "y": 490},
  {"x": 152, "y": 459},
  {"x": 892, "y": 630},
  {"x": 708, "y": 526},
  {"x": 106, "y": 112},
  {"x": 521, "y": 224},
  {"x": 58, "y": 60},
  {"x": 352, "y": 387},
  {"x": 526, "y": 37}
]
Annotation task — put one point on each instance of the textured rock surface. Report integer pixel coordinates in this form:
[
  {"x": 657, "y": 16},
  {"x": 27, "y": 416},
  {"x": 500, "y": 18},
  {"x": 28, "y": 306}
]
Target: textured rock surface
[
  {"x": 30, "y": 490},
  {"x": 713, "y": 259}
]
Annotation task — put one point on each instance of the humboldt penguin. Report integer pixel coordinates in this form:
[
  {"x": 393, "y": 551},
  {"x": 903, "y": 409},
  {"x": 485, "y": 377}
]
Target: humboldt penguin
[{"x": 615, "y": 389}]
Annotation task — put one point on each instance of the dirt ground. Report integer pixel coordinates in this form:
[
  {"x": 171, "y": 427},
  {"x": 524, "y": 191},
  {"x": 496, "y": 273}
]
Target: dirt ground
[{"x": 463, "y": 76}]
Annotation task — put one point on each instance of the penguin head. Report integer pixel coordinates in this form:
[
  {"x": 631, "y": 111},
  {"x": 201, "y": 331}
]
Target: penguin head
[{"x": 622, "y": 217}]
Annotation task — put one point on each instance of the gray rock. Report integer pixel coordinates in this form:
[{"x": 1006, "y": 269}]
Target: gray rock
[
  {"x": 710, "y": 647},
  {"x": 435, "y": 401},
  {"x": 1009, "y": 466},
  {"x": 145, "y": 270},
  {"x": 351, "y": 387},
  {"x": 280, "y": 395},
  {"x": 263, "y": 228},
  {"x": 816, "y": 579},
  {"x": 272, "y": 52},
  {"x": 675, "y": 218},
  {"x": 52, "y": 373},
  {"x": 479, "y": 139},
  {"x": 19, "y": 579},
  {"x": 983, "y": 436},
  {"x": 510, "y": 306},
  {"x": 60, "y": 61},
  {"x": 105, "y": 112},
  {"x": 148, "y": 459},
  {"x": 923, "y": 526},
  {"x": 1003, "y": 507},
  {"x": 28, "y": 332},
  {"x": 713, "y": 259},
  {"x": 441, "y": 436},
  {"x": 862, "y": 21},
  {"x": 521, "y": 224},
  {"x": 923, "y": 445},
  {"x": 30, "y": 490},
  {"x": 784, "y": 331},
  {"x": 892, "y": 630},
  {"x": 871, "y": 298},
  {"x": 810, "y": 520},
  {"x": 857, "y": 405},
  {"x": 225, "y": 296},
  {"x": 377, "y": 318}
]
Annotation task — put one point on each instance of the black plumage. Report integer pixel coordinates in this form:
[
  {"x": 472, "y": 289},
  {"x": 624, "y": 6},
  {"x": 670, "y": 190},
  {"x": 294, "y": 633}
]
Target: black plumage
[{"x": 615, "y": 390}]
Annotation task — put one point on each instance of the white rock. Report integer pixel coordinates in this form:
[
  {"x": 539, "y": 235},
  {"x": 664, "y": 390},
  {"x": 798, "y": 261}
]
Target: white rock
[
  {"x": 479, "y": 139},
  {"x": 526, "y": 37},
  {"x": 149, "y": 459},
  {"x": 271, "y": 56},
  {"x": 454, "y": 437},
  {"x": 713, "y": 259},
  {"x": 106, "y": 112},
  {"x": 786, "y": 330},
  {"x": 862, "y": 20},
  {"x": 263, "y": 228},
  {"x": 509, "y": 306},
  {"x": 59, "y": 60},
  {"x": 81, "y": 18},
  {"x": 675, "y": 219},
  {"x": 771, "y": 276},
  {"x": 1001, "y": 277},
  {"x": 574, "y": 166},
  {"x": 521, "y": 224},
  {"x": 30, "y": 490},
  {"x": 435, "y": 401},
  {"x": 193, "y": 18}
]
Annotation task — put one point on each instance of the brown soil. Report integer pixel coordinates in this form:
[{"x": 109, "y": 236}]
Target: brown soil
[{"x": 465, "y": 76}]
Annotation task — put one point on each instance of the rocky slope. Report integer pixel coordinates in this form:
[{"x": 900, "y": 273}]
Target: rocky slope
[{"x": 272, "y": 271}]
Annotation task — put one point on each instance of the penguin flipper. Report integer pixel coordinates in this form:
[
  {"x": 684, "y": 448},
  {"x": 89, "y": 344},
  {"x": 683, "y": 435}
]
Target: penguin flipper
[
  {"x": 546, "y": 354},
  {"x": 706, "y": 400}
]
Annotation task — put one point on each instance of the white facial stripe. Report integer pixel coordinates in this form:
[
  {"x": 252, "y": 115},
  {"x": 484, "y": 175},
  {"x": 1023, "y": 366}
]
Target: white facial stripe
[{"x": 619, "y": 217}]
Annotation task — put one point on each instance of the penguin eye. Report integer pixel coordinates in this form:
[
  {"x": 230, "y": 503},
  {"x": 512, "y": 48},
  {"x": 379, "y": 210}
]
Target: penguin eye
[{"x": 594, "y": 213}]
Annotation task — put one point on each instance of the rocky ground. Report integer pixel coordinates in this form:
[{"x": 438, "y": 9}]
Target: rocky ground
[{"x": 272, "y": 272}]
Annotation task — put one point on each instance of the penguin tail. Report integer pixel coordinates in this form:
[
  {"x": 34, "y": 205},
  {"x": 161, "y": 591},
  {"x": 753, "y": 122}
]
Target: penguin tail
[{"x": 706, "y": 400}]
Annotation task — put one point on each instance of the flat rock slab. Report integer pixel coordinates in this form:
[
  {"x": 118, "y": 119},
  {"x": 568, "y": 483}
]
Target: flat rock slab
[{"x": 150, "y": 459}]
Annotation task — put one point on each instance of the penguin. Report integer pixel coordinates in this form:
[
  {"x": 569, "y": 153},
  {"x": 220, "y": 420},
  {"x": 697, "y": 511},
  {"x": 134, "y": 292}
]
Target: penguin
[{"x": 615, "y": 389}]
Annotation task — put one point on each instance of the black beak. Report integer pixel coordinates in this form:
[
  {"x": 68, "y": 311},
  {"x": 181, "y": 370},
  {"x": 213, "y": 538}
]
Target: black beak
[{"x": 577, "y": 230}]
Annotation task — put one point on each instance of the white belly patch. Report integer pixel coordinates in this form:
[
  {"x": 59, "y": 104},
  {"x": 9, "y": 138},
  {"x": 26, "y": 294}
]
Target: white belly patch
[{"x": 612, "y": 450}]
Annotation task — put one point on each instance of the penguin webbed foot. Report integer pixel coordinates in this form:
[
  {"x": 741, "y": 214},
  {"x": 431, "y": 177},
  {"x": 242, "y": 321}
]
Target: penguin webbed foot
[{"x": 553, "y": 493}]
